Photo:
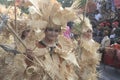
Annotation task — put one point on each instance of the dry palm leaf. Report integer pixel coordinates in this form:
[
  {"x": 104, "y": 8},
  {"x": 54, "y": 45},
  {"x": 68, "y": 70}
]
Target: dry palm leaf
[
  {"x": 35, "y": 4},
  {"x": 53, "y": 13},
  {"x": 79, "y": 4}
]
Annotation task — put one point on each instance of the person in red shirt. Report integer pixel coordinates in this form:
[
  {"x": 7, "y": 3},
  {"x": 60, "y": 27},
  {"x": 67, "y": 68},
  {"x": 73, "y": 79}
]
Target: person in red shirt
[{"x": 117, "y": 44}]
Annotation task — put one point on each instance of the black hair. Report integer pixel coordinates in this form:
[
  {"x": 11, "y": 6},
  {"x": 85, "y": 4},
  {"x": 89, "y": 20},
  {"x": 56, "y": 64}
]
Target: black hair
[{"x": 70, "y": 24}]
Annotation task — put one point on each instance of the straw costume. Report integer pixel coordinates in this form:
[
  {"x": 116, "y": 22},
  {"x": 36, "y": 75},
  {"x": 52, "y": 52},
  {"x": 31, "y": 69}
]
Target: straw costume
[
  {"x": 51, "y": 64},
  {"x": 86, "y": 50},
  {"x": 12, "y": 64}
]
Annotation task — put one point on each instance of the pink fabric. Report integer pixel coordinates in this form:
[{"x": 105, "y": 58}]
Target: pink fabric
[
  {"x": 67, "y": 32},
  {"x": 115, "y": 24}
]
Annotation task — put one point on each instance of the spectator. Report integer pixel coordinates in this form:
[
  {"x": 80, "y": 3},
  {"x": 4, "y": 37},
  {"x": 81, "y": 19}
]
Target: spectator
[{"x": 105, "y": 41}]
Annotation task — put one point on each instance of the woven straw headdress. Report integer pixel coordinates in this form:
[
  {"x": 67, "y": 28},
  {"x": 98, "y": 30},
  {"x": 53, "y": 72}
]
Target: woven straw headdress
[
  {"x": 82, "y": 24},
  {"x": 49, "y": 13}
]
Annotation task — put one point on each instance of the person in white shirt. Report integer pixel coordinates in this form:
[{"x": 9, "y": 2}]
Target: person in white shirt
[{"x": 105, "y": 41}]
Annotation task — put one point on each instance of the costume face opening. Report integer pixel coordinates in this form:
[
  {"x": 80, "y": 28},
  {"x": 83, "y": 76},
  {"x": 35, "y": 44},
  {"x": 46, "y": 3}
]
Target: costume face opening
[
  {"x": 51, "y": 33},
  {"x": 88, "y": 34}
]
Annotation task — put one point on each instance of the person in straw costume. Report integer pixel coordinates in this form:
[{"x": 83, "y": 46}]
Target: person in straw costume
[
  {"x": 86, "y": 49},
  {"x": 51, "y": 57},
  {"x": 10, "y": 61}
]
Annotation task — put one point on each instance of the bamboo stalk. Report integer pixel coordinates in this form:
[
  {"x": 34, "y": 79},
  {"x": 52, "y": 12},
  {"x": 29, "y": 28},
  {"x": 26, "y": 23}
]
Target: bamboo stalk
[{"x": 85, "y": 10}]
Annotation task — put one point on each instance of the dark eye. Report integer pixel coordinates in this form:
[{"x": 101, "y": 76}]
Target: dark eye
[
  {"x": 27, "y": 30},
  {"x": 49, "y": 29},
  {"x": 57, "y": 30},
  {"x": 89, "y": 31}
]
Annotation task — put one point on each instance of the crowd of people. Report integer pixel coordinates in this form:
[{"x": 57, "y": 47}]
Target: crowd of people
[{"x": 105, "y": 19}]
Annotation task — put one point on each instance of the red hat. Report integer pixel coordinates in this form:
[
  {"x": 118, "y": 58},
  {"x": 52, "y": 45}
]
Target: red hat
[
  {"x": 101, "y": 24},
  {"x": 115, "y": 23}
]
